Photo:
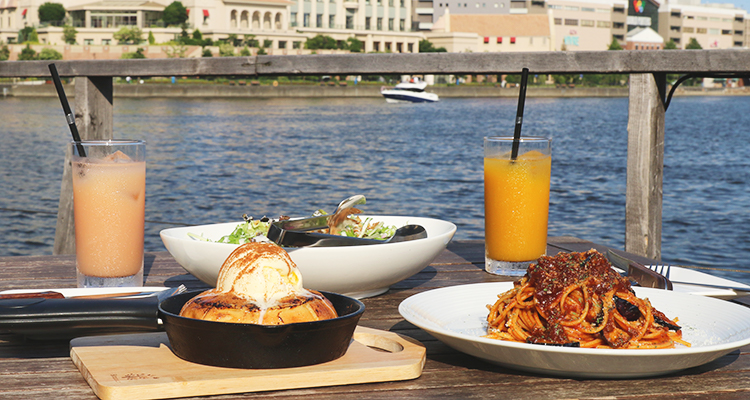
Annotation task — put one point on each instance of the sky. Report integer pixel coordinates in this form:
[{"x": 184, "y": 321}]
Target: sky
[{"x": 743, "y": 4}]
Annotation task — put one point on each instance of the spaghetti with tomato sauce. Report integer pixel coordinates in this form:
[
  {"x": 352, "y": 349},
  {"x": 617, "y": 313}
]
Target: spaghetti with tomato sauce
[{"x": 578, "y": 300}]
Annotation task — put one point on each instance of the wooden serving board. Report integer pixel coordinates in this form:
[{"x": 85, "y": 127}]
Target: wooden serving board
[{"x": 142, "y": 366}]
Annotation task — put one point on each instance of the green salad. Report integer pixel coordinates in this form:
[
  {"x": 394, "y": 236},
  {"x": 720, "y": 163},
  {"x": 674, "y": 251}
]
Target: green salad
[{"x": 352, "y": 226}]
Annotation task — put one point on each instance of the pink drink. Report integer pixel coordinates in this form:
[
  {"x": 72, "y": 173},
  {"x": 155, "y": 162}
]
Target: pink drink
[{"x": 109, "y": 202}]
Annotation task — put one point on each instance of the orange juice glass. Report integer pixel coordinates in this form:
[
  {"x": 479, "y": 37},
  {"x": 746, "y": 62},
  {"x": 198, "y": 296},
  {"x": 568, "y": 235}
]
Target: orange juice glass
[
  {"x": 516, "y": 203},
  {"x": 109, "y": 191}
]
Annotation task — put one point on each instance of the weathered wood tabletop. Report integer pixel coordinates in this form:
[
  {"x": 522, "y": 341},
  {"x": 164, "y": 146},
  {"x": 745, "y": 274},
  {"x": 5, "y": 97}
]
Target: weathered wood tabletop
[{"x": 30, "y": 370}]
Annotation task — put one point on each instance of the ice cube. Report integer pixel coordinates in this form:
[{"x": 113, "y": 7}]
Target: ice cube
[{"x": 118, "y": 157}]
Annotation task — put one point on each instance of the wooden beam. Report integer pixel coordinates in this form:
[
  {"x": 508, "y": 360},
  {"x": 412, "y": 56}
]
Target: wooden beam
[
  {"x": 93, "y": 112},
  {"x": 549, "y": 62},
  {"x": 645, "y": 166}
]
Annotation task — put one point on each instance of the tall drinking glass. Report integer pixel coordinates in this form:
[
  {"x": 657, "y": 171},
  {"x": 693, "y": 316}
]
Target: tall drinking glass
[
  {"x": 109, "y": 191},
  {"x": 516, "y": 203}
]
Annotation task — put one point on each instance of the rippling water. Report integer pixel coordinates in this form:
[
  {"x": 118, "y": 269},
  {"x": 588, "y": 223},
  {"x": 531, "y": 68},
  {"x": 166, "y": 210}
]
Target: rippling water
[{"x": 213, "y": 160}]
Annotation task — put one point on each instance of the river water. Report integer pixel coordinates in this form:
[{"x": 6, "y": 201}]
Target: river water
[{"x": 212, "y": 160}]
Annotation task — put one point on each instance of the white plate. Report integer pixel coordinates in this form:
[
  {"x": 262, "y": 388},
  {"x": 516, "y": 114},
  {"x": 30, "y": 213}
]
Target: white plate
[
  {"x": 355, "y": 271},
  {"x": 686, "y": 280},
  {"x": 457, "y": 316}
]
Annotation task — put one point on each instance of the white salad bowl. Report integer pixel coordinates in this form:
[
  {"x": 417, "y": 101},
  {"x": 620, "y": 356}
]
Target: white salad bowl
[{"x": 355, "y": 271}]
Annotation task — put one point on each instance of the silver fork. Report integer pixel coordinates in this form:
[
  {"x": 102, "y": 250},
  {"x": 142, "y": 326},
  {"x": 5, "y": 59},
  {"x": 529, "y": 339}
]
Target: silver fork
[{"x": 660, "y": 269}]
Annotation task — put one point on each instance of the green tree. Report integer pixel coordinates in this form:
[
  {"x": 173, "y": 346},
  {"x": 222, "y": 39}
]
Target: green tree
[
  {"x": 175, "y": 14},
  {"x": 262, "y": 51},
  {"x": 4, "y": 53},
  {"x": 151, "y": 38},
  {"x": 425, "y": 46},
  {"x": 207, "y": 53},
  {"x": 49, "y": 54},
  {"x": 69, "y": 34},
  {"x": 355, "y": 45},
  {"x": 28, "y": 34},
  {"x": 615, "y": 45},
  {"x": 245, "y": 52},
  {"x": 226, "y": 50},
  {"x": 52, "y": 13},
  {"x": 134, "y": 55},
  {"x": 27, "y": 54},
  {"x": 670, "y": 45},
  {"x": 321, "y": 42},
  {"x": 128, "y": 35},
  {"x": 693, "y": 45},
  {"x": 197, "y": 35}
]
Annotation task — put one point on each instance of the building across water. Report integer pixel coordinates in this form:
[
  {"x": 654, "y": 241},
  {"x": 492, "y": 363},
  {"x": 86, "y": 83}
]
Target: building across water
[{"x": 283, "y": 26}]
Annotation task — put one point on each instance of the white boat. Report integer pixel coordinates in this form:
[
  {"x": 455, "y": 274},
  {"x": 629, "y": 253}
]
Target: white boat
[{"x": 411, "y": 91}]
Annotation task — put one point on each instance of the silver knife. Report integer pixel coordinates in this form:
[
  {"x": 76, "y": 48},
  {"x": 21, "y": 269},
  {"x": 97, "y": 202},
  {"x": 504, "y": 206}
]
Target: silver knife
[{"x": 644, "y": 276}]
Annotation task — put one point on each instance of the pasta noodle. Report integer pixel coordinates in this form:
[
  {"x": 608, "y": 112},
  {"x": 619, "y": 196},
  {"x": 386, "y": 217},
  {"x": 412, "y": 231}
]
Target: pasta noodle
[{"x": 578, "y": 300}]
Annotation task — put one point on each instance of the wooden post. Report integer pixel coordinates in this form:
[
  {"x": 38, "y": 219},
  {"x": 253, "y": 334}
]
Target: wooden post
[
  {"x": 93, "y": 111},
  {"x": 643, "y": 203}
]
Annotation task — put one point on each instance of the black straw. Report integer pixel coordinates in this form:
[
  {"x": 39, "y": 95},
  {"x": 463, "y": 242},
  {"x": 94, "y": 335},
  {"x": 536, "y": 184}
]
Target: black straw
[
  {"x": 519, "y": 113},
  {"x": 66, "y": 108}
]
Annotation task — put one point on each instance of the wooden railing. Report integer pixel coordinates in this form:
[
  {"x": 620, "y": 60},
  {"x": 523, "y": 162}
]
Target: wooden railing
[{"x": 647, "y": 90}]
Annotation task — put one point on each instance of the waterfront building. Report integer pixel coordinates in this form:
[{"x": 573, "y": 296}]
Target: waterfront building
[
  {"x": 644, "y": 38},
  {"x": 588, "y": 25},
  {"x": 714, "y": 26},
  {"x": 492, "y": 33},
  {"x": 275, "y": 24}
]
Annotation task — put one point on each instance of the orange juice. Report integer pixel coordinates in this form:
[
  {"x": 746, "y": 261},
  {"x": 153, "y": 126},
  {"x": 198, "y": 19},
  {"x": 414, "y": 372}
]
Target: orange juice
[
  {"x": 109, "y": 207},
  {"x": 516, "y": 198}
]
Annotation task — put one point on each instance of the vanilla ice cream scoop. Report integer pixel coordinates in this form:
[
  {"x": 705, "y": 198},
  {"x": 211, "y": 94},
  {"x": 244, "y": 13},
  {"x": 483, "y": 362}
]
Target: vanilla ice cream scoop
[
  {"x": 262, "y": 272},
  {"x": 259, "y": 284}
]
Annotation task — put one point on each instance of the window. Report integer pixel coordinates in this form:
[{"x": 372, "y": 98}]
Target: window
[
  {"x": 293, "y": 18},
  {"x": 282, "y": 44},
  {"x": 106, "y": 42},
  {"x": 349, "y": 22},
  {"x": 603, "y": 24},
  {"x": 571, "y": 22},
  {"x": 739, "y": 33},
  {"x": 700, "y": 30},
  {"x": 331, "y": 21},
  {"x": 618, "y": 25},
  {"x": 674, "y": 28},
  {"x": 296, "y": 45},
  {"x": 319, "y": 20},
  {"x": 558, "y": 21},
  {"x": 555, "y": 7},
  {"x": 390, "y": 3},
  {"x": 390, "y": 24},
  {"x": 618, "y": 10},
  {"x": 380, "y": 24},
  {"x": 676, "y": 14},
  {"x": 713, "y": 31},
  {"x": 376, "y": 46},
  {"x": 368, "y": 23},
  {"x": 686, "y": 29},
  {"x": 401, "y": 24},
  {"x": 306, "y": 20},
  {"x": 587, "y": 22},
  {"x": 588, "y": 9},
  {"x": 570, "y": 8},
  {"x": 88, "y": 42},
  {"x": 410, "y": 47},
  {"x": 113, "y": 19}
]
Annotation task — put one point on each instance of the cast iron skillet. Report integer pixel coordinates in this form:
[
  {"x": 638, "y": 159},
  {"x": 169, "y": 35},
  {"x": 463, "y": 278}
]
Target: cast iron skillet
[
  {"x": 205, "y": 342},
  {"x": 225, "y": 344}
]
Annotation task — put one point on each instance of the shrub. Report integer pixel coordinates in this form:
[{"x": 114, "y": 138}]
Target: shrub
[
  {"x": 69, "y": 34},
  {"x": 27, "y": 54},
  {"x": 134, "y": 55},
  {"x": 129, "y": 35},
  {"x": 49, "y": 54}
]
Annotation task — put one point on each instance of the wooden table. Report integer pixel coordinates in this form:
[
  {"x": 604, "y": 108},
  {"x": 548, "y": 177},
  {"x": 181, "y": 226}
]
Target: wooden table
[{"x": 30, "y": 370}]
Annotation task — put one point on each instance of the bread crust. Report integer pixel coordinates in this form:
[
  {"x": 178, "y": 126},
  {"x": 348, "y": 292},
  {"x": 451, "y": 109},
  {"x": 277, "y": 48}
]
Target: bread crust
[{"x": 213, "y": 305}]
